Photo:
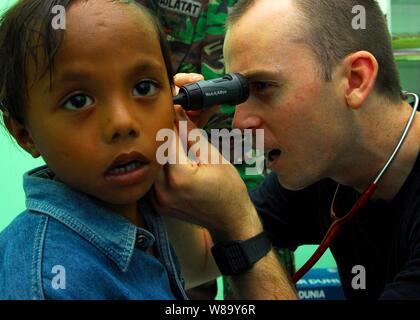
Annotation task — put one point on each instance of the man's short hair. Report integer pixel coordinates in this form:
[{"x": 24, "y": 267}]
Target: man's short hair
[{"x": 327, "y": 29}]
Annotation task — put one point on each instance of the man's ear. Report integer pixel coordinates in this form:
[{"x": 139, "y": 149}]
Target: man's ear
[
  {"x": 360, "y": 72},
  {"x": 21, "y": 134}
]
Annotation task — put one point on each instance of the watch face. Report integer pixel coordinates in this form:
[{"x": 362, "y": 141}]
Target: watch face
[
  {"x": 230, "y": 258},
  {"x": 235, "y": 257}
]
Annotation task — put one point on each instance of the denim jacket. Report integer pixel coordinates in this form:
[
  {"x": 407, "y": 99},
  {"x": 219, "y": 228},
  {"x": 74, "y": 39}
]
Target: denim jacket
[{"x": 67, "y": 246}]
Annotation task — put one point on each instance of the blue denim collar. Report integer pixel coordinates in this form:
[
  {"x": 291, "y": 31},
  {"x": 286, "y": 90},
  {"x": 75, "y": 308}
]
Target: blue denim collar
[{"x": 111, "y": 233}]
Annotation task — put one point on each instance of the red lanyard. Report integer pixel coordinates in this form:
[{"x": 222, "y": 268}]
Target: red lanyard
[{"x": 335, "y": 228}]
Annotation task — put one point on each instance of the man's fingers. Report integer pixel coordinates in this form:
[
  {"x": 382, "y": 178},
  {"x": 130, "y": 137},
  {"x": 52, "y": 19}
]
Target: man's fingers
[
  {"x": 205, "y": 112},
  {"x": 182, "y": 79},
  {"x": 200, "y": 118},
  {"x": 181, "y": 143},
  {"x": 195, "y": 141},
  {"x": 189, "y": 133}
]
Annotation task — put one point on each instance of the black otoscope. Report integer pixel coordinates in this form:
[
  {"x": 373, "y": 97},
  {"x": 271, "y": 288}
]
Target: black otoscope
[{"x": 230, "y": 89}]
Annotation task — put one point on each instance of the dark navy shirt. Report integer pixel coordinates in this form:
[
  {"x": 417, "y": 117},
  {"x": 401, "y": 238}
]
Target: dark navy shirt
[
  {"x": 384, "y": 237},
  {"x": 67, "y": 246}
]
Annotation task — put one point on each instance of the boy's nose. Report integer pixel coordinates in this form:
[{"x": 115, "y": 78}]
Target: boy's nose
[{"x": 120, "y": 124}]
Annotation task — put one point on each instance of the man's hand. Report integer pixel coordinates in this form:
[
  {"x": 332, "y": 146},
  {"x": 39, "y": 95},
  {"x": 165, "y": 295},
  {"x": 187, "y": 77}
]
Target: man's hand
[
  {"x": 215, "y": 197},
  {"x": 211, "y": 195}
]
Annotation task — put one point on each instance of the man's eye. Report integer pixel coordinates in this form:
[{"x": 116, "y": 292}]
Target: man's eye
[
  {"x": 78, "y": 102},
  {"x": 261, "y": 86},
  {"x": 145, "y": 88}
]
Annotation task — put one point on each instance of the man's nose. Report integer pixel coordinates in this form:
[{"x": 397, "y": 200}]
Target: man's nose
[
  {"x": 244, "y": 120},
  {"x": 120, "y": 122}
]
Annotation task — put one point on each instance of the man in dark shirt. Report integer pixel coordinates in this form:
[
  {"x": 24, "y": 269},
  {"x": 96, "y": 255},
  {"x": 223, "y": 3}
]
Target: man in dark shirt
[
  {"x": 383, "y": 239},
  {"x": 325, "y": 90}
]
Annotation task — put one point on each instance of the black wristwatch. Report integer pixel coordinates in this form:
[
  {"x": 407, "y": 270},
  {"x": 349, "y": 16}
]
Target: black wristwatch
[{"x": 235, "y": 257}]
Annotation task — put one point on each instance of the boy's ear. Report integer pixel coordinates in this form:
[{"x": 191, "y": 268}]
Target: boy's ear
[
  {"x": 21, "y": 134},
  {"x": 360, "y": 73}
]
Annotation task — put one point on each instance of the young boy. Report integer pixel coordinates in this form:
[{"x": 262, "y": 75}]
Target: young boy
[{"x": 89, "y": 99}]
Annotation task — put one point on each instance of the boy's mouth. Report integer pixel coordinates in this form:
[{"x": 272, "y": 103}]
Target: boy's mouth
[{"x": 126, "y": 163}]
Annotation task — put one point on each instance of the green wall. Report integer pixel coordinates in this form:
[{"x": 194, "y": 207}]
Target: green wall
[
  {"x": 13, "y": 163},
  {"x": 409, "y": 69},
  {"x": 405, "y": 17},
  {"x": 4, "y": 4}
]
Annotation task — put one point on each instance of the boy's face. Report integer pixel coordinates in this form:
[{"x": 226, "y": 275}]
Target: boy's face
[{"x": 110, "y": 95}]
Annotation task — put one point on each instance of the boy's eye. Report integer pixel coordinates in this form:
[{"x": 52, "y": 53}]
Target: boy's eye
[
  {"x": 145, "y": 88},
  {"x": 77, "y": 102}
]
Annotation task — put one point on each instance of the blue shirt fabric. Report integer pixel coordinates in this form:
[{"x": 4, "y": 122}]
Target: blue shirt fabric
[{"x": 67, "y": 246}]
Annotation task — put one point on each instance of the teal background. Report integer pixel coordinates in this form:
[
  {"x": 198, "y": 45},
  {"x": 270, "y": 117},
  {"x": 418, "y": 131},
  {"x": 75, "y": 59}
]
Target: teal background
[
  {"x": 14, "y": 161},
  {"x": 4, "y": 4},
  {"x": 405, "y": 15},
  {"x": 409, "y": 69}
]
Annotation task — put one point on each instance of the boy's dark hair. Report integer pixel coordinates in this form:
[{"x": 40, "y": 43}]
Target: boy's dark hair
[
  {"x": 24, "y": 29},
  {"x": 327, "y": 29}
]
